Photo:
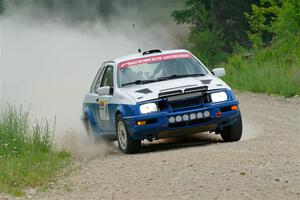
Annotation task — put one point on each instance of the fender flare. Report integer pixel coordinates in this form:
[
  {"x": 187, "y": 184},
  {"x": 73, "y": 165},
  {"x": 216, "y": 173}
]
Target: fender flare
[
  {"x": 89, "y": 115},
  {"x": 119, "y": 110}
]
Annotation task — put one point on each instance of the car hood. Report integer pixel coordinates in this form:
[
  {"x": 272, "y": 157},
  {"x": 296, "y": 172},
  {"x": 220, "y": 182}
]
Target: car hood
[{"x": 151, "y": 91}]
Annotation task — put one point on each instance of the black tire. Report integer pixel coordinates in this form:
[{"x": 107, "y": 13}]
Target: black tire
[
  {"x": 234, "y": 132},
  {"x": 93, "y": 137},
  {"x": 126, "y": 144},
  {"x": 88, "y": 127},
  {"x": 90, "y": 133}
]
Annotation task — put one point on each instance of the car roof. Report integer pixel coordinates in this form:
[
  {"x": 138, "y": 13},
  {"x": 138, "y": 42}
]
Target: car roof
[{"x": 143, "y": 55}]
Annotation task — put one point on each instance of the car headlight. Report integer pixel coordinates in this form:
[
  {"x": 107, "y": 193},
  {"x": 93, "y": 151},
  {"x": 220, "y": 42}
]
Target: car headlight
[
  {"x": 218, "y": 96},
  {"x": 148, "y": 108}
]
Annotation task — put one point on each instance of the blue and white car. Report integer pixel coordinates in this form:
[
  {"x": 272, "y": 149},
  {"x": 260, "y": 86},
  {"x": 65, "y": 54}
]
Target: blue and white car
[{"x": 159, "y": 94}]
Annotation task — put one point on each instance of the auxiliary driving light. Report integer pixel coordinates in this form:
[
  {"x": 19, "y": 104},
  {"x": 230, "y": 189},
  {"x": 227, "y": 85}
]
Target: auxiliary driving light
[
  {"x": 141, "y": 123},
  {"x": 235, "y": 107},
  {"x": 172, "y": 120},
  {"x": 178, "y": 118},
  {"x": 199, "y": 115},
  {"x": 206, "y": 114},
  {"x": 185, "y": 117},
  {"x": 219, "y": 114},
  {"x": 192, "y": 116}
]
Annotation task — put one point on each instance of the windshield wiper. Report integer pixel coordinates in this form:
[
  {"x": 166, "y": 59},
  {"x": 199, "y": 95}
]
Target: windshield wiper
[
  {"x": 178, "y": 76},
  {"x": 139, "y": 82}
]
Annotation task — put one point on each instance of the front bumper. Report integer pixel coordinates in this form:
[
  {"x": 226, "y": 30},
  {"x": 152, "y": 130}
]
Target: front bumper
[{"x": 160, "y": 127}]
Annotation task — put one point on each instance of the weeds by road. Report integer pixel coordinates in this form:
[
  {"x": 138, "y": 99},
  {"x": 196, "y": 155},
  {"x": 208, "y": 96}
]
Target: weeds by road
[{"x": 27, "y": 157}]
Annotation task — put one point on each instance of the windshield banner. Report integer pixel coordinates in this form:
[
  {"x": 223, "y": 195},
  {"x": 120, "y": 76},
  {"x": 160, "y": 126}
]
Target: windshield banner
[{"x": 153, "y": 59}]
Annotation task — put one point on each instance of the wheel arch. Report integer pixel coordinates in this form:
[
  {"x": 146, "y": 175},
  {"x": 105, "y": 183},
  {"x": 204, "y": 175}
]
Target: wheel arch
[
  {"x": 119, "y": 111},
  {"x": 88, "y": 115}
]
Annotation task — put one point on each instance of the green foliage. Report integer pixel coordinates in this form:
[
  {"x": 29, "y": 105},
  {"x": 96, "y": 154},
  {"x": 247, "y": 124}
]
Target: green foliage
[
  {"x": 204, "y": 39},
  {"x": 1, "y": 6},
  {"x": 27, "y": 158},
  {"x": 207, "y": 46},
  {"x": 216, "y": 26},
  {"x": 261, "y": 21},
  {"x": 195, "y": 13},
  {"x": 270, "y": 78},
  {"x": 288, "y": 19},
  {"x": 275, "y": 68}
]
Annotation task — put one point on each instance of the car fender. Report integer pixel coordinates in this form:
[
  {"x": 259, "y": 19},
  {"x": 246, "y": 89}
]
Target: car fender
[
  {"x": 126, "y": 110},
  {"x": 89, "y": 115}
]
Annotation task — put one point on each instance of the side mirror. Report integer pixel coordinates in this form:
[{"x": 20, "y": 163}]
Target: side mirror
[
  {"x": 219, "y": 72},
  {"x": 105, "y": 90}
]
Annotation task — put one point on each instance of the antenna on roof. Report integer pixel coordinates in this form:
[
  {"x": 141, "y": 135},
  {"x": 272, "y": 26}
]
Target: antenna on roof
[{"x": 133, "y": 25}]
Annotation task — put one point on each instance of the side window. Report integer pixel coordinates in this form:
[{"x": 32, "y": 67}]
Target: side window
[
  {"x": 98, "y": 83},
  {"x": 107, "y": 79},
  {"x": 97, "y": 80}
]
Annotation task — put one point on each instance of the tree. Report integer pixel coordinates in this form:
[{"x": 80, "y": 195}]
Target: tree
[
  {"x": 216, "y": 26},
  {"x": 1, "y": 6},
  {"x": 205, "y": 40},
  {"x": 261, "y": 20}
]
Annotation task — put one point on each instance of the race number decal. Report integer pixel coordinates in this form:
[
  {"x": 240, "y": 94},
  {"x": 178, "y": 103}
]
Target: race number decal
[{"x": 104, "y": 114}]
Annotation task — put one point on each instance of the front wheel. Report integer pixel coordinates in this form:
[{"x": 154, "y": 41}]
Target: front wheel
[
  {"x": 234, "y": 132},
  {"x": 126, "y": 144}
]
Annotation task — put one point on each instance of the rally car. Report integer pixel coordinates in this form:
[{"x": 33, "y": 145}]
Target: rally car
[{"x": 159, "y": 94}]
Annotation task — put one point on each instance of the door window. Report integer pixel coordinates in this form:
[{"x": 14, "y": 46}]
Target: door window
[
  {"x": 97, "y": 81},
  {"x": 107, "y": 79}
]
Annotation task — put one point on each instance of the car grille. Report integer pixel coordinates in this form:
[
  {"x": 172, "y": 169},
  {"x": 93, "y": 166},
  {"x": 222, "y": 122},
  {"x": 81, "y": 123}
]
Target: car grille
[{"x": 186, "y": 103}]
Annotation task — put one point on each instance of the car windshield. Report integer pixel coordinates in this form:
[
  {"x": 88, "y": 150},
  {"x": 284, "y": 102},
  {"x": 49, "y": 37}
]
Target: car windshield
[{"x": 159, "y": 68}]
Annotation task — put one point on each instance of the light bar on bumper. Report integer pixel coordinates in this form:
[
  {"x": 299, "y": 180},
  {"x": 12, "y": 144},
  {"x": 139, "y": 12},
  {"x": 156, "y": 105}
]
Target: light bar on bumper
[{"x": 189, "y": 117}]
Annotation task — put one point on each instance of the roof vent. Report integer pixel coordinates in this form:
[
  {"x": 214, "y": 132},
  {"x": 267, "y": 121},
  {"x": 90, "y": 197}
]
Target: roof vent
[{"x": 151, "y": 51}]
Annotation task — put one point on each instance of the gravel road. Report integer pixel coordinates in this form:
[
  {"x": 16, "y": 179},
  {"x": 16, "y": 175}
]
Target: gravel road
[{"x": 265, "y": 164}]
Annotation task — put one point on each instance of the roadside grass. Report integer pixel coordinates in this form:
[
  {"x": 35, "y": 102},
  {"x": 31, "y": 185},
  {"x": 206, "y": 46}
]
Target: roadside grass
[
  {"x": 267, "y": 79},
  {"x": 272, "y": 70},
  {"x": 27, "y": 157}
]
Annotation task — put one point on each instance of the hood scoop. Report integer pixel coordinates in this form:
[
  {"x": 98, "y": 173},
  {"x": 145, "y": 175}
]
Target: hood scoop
[
  {"x": 196, "y": 89},
  {"x": 193, "y": 90},
  {"x": 177, "y": 88},
  {"x": 170, "y": 93},
  {"x": 206, "y": 82},
  {"x": 144, "y": 91}
]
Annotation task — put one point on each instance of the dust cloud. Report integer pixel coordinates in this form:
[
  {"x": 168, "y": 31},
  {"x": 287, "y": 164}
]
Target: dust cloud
[
  {"x": 82, "y": 147},
  {"x": 250, "y": 130},
  {"x": 48, "y": 63}
]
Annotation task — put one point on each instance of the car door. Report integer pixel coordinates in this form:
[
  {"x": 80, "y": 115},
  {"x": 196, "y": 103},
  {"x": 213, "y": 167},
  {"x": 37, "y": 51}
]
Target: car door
[
  {"x": 105, "y": 108},
  {"x": 92, "y": 101}
]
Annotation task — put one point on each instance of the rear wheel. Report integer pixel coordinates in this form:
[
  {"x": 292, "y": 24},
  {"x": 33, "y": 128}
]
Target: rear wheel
[
  {"x": 126, "y": 144},
  {"x": 89, "y": 131},
  {"x": 88, "y": 127},
  {"x": 234, "y": 132}
]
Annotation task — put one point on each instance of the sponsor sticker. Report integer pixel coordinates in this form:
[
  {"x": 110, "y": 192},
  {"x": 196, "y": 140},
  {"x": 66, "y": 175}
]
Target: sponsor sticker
[
  {"x": 102, "y": 104},
  {"x": 104, "y": 115},
  {"x": 153, "y": 59}
]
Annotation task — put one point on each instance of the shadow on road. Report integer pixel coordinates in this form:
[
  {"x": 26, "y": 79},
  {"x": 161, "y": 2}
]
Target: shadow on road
[{"x": 201, "y": 139}]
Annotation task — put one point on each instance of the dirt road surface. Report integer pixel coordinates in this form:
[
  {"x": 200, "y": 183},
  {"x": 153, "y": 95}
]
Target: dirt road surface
[{"x": 264, "y": 165}]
